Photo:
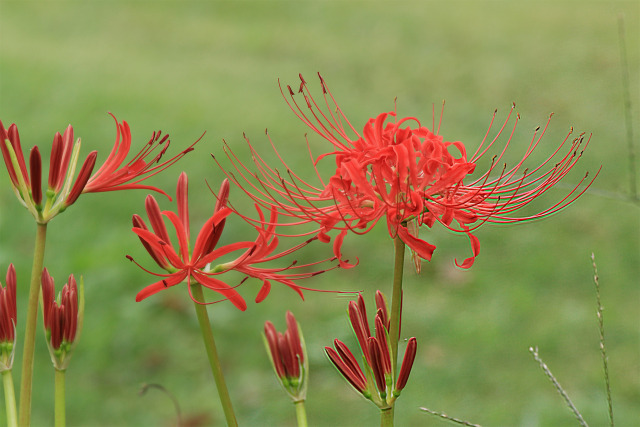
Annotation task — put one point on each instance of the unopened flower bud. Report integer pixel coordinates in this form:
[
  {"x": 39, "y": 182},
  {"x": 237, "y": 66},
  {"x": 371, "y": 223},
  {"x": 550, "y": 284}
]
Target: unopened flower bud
[
  {"x": 287, "y": 353},
  {"x": 62, "y": 318},
  {"x": 8, "y": 319}
]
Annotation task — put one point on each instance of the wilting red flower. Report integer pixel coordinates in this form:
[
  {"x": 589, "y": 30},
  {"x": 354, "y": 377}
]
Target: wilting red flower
[
  {"x": 288, "y": 357},
  {"x": 387, "y": 384},
  {"x": 8, "y": 319},
  {"x": 62, "y": 190},
  {"x": 62, "y": 317},
  {"x": 400, "y": 170},
  {"x": 183, "y": 264}
]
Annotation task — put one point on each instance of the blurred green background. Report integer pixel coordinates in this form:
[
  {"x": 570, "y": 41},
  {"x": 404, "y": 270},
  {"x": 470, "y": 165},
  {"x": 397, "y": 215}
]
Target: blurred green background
[{"x": 187, "y": 67}]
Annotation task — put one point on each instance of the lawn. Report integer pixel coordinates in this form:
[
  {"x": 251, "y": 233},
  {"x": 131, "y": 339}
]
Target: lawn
[{"x": 191, "y": 67}]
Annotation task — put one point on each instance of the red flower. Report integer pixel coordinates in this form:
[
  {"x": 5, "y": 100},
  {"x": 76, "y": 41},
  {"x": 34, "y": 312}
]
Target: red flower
[
  {"x": 62, "y": 190},
  {"x": 112, "y": 175},
  {"x": 62, "y": 317},
  {"x": 288, "y": 357},
  {"x": 183, "y": 264},
  {"x": 386, "y": 385},
  {"x": 406, "y": 173}
]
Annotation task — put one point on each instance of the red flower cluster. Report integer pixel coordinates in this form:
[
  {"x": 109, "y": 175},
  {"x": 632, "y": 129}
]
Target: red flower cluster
[
  {"x": 181, "y": 264},
  {"x": 406, "y": 173},
  {"x": 287, "y": 354},
  {"x": 62, "y": 191},
  {"x": 387, "y": 384}
]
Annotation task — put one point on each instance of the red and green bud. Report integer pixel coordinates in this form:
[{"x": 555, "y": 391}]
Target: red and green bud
[
  {"x": 62, "y": 318},
  {"x": 288, "y": 356},
  {"x": 8, "y": 319}
]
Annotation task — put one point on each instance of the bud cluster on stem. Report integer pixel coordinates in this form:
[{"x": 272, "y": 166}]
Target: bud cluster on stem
[{"x": 378, "y": 381}]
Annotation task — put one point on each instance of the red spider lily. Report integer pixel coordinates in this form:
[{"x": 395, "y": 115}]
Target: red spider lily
[
  {"x": 377, "y": 382},
  {"x": 62, "y": 317},
  {"x": 8, "y": 319},
  {"x": 181, "y": 264},
  {"x": 112, "y": 175},
  {"x": 62, "y": 190},
  {"x": 287, "y": 353},
  {"x": 406, "y": 173}
]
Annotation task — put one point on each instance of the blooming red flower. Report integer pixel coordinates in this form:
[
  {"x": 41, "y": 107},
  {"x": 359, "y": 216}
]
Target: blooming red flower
[
  {"x": 288, "y": 357},
  {"x": 62, "y": 190},
  {"x": 386, "y": 385},
  {"x": 62, "y": 317},
  {"x": 112, "y": 175},
  {"x": 8, "y": 319},
  {"x": 402, "y": 171},
  {"x": 183, "y": 264}
]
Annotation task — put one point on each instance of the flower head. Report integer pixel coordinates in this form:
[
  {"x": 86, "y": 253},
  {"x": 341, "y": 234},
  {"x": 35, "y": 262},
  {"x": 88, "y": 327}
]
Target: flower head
[
  {"x": 8, "y": 319},
  {"x": 62, "y": 317},
  {"x": 182, "y": 264},
  {"x": 400, "y": 170},
  {"x": 377, "y": 381},
  {"x": 62, "y": 189},
  {"x": 288, "y": 356}
]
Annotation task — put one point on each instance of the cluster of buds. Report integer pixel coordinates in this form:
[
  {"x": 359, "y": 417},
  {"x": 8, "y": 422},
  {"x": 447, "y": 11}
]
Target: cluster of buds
[
  {"x": 8, "y": 319},
  {"x": 379, "y": 381},
  {"x": 61, "y": 191},
  {"x": 62, "y": 318},
  {"x": 288, "y": 357}
]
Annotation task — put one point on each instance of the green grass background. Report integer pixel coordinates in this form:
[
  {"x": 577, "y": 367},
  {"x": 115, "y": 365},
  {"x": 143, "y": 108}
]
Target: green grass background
[{"x": 187, "y": 67}]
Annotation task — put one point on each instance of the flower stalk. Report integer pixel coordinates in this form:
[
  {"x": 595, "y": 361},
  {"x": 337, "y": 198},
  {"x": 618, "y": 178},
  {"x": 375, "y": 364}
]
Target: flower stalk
[
  {"x": 386, "y": 416},
  {"x": 9, "y": 398},
  {"x": 212, "y": 353},
  {"x": 396, "y": 299},
  {"x": 301, "y": 414},
  {"x": 59, "y": 398},
  {"x": 30, "y": 326}
]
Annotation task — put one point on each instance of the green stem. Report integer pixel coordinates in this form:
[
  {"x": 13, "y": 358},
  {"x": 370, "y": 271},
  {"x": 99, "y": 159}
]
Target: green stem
[
  {"x": 301, "y": 413},
  {"x": 210, "y": 345},
  {"x": 396, "y": 302},
  {"x": 9, "y": 398},
  {"x": 59, "y": 410},
  {"x": 30, "y": 331},
  {"x": 386, "y": 417}
]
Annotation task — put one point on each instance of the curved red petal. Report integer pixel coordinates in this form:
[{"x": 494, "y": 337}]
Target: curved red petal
[
  {"x": 264, "y": 291},
  {"x": 160, "y": 285}
]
